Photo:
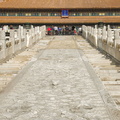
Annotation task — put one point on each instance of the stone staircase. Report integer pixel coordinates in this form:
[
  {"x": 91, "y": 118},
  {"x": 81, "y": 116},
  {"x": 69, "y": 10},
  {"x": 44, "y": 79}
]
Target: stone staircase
[
  {"x": 10, "y": 68},
  {"x": 107, "y": 70}
]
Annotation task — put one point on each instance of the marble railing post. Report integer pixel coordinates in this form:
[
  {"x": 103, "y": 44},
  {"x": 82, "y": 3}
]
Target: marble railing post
[
  {"x": 109, "y": 37},
  {"x": 12, "y": 39},
  {"x": 84, "y": 31},
  {"x": 104, "y": 34},
  {"x": 2, "y": 40},
  {"x": 95, "y": 31},
  {"x": 38, "y": 32},
  {"x": 92, "y": 31},
  {"x": 95, "y": 36},
  {"x": 28, "y": 38},
  {"x": 87, "y": 32},
  {"x": 22, "y": 36},
  {"x": 117, "y": 34},
  {"x": 117, "y": 39},
  {"x": 5, "y": 28},
  {"x": 24, "y": 33},
  {"x": 43, "y": 31},
  {"x": 108, "y": 27},
  {"x": 16, "y": 34},
  {"x": 19, "y": 36},
  {"x": 99, "y": 34},
  {"x": 33, "y": 34}
]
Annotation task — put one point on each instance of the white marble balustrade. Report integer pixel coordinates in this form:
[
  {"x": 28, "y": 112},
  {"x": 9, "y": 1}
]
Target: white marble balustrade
[
  {"x": 19, "y": 39},
  {"x": 105, "y": 39}
]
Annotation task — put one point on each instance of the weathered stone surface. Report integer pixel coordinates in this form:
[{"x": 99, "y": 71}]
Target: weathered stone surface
[
  {"x": 106, "y": 40},
  {"x": 10, "y": 68},
  {"x": 108, "y": 72},
  {"x": 56, "y": 87}
]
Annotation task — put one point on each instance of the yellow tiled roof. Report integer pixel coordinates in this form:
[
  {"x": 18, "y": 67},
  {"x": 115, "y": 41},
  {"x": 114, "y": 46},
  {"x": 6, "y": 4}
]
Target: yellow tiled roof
[
  {"x": 58, "y": 19},
  {"x": 60, "y": 4}
]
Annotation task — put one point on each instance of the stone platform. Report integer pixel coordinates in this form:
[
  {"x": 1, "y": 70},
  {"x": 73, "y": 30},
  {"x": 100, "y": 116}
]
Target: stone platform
[{"x": 55, "y": 85}]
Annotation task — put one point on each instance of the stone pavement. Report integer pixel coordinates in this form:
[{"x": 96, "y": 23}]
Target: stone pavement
[
  {"x": 106, "y": 68},
  {"x": 12, "y": 66},
  {"x": 56, "y": 85}
]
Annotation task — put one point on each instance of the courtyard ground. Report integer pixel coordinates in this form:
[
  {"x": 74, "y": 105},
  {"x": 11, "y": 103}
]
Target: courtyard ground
[{"x": 58, "y": 83}]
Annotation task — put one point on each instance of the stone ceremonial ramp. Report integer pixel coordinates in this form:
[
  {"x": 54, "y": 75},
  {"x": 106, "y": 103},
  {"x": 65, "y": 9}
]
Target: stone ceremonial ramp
[{"x": 55, "y": 85}]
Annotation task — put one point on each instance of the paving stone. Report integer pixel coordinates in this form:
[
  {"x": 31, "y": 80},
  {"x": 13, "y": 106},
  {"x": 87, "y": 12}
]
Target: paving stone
[
  {"x": 57, "y": 86},
  {"x": 105, "y": 68}
]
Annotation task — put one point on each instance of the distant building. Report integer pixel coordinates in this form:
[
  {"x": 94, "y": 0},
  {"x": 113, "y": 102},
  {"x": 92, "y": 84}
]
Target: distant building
[{"x": 60, "y": 11}]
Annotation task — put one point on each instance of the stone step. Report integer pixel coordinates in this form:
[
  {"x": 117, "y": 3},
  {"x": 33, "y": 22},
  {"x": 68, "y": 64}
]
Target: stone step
[
  {"x": 9, "y": 68},
  {"x": 106, "y": 69},
  {"x": 14, "y": 62},
  {"x": 109, "y": 83},
  {"x": 109, "y": 78},
  {"x": 114, "y": 89},
  {"x": 113, "y": 71},
  {"x": 11, "y": 65},
  {"x": 114, "y": 93},
  {"x": 111, "y": 74},
  {"x": 7, "y": 75},
  {"x": 110, "y": 68},
  {"x": 27, "y": 53},
  {"x": 102, "y": 65},
  {"x": 98, "y": 60},
  {"x": 3, "y": 79},
  {"x": 117, "y": 99},
  {"x": 9, "y": 71}
]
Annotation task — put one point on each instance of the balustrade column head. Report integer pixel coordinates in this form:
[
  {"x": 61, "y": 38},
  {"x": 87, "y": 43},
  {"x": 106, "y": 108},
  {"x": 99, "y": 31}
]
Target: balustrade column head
[
  {"x": 3, "y": 42},
  {"x": 109, "y": 33},
  {"x": 108, "y": 27},
  {"x": 32, "y": 27},
  {"x": 95, "y": 31},
  {"x": 12, "y": 33},
  {"x": 19, "y": 27},
  {"x": 99, "y": 32},
  {"x": 2, "y": 35},
  {"x": 104, "y": 33},
  {"x": 117, "y": 34},
  {"x": 96, "y": 26},
  {"x": 19, "y": 33},
  {"x": 104, "y": 27},
  {"x": 5, "y": 28}
]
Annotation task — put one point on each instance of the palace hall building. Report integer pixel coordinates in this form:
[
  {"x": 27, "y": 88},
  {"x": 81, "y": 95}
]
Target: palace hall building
[{"x": 59, "y": 11}]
